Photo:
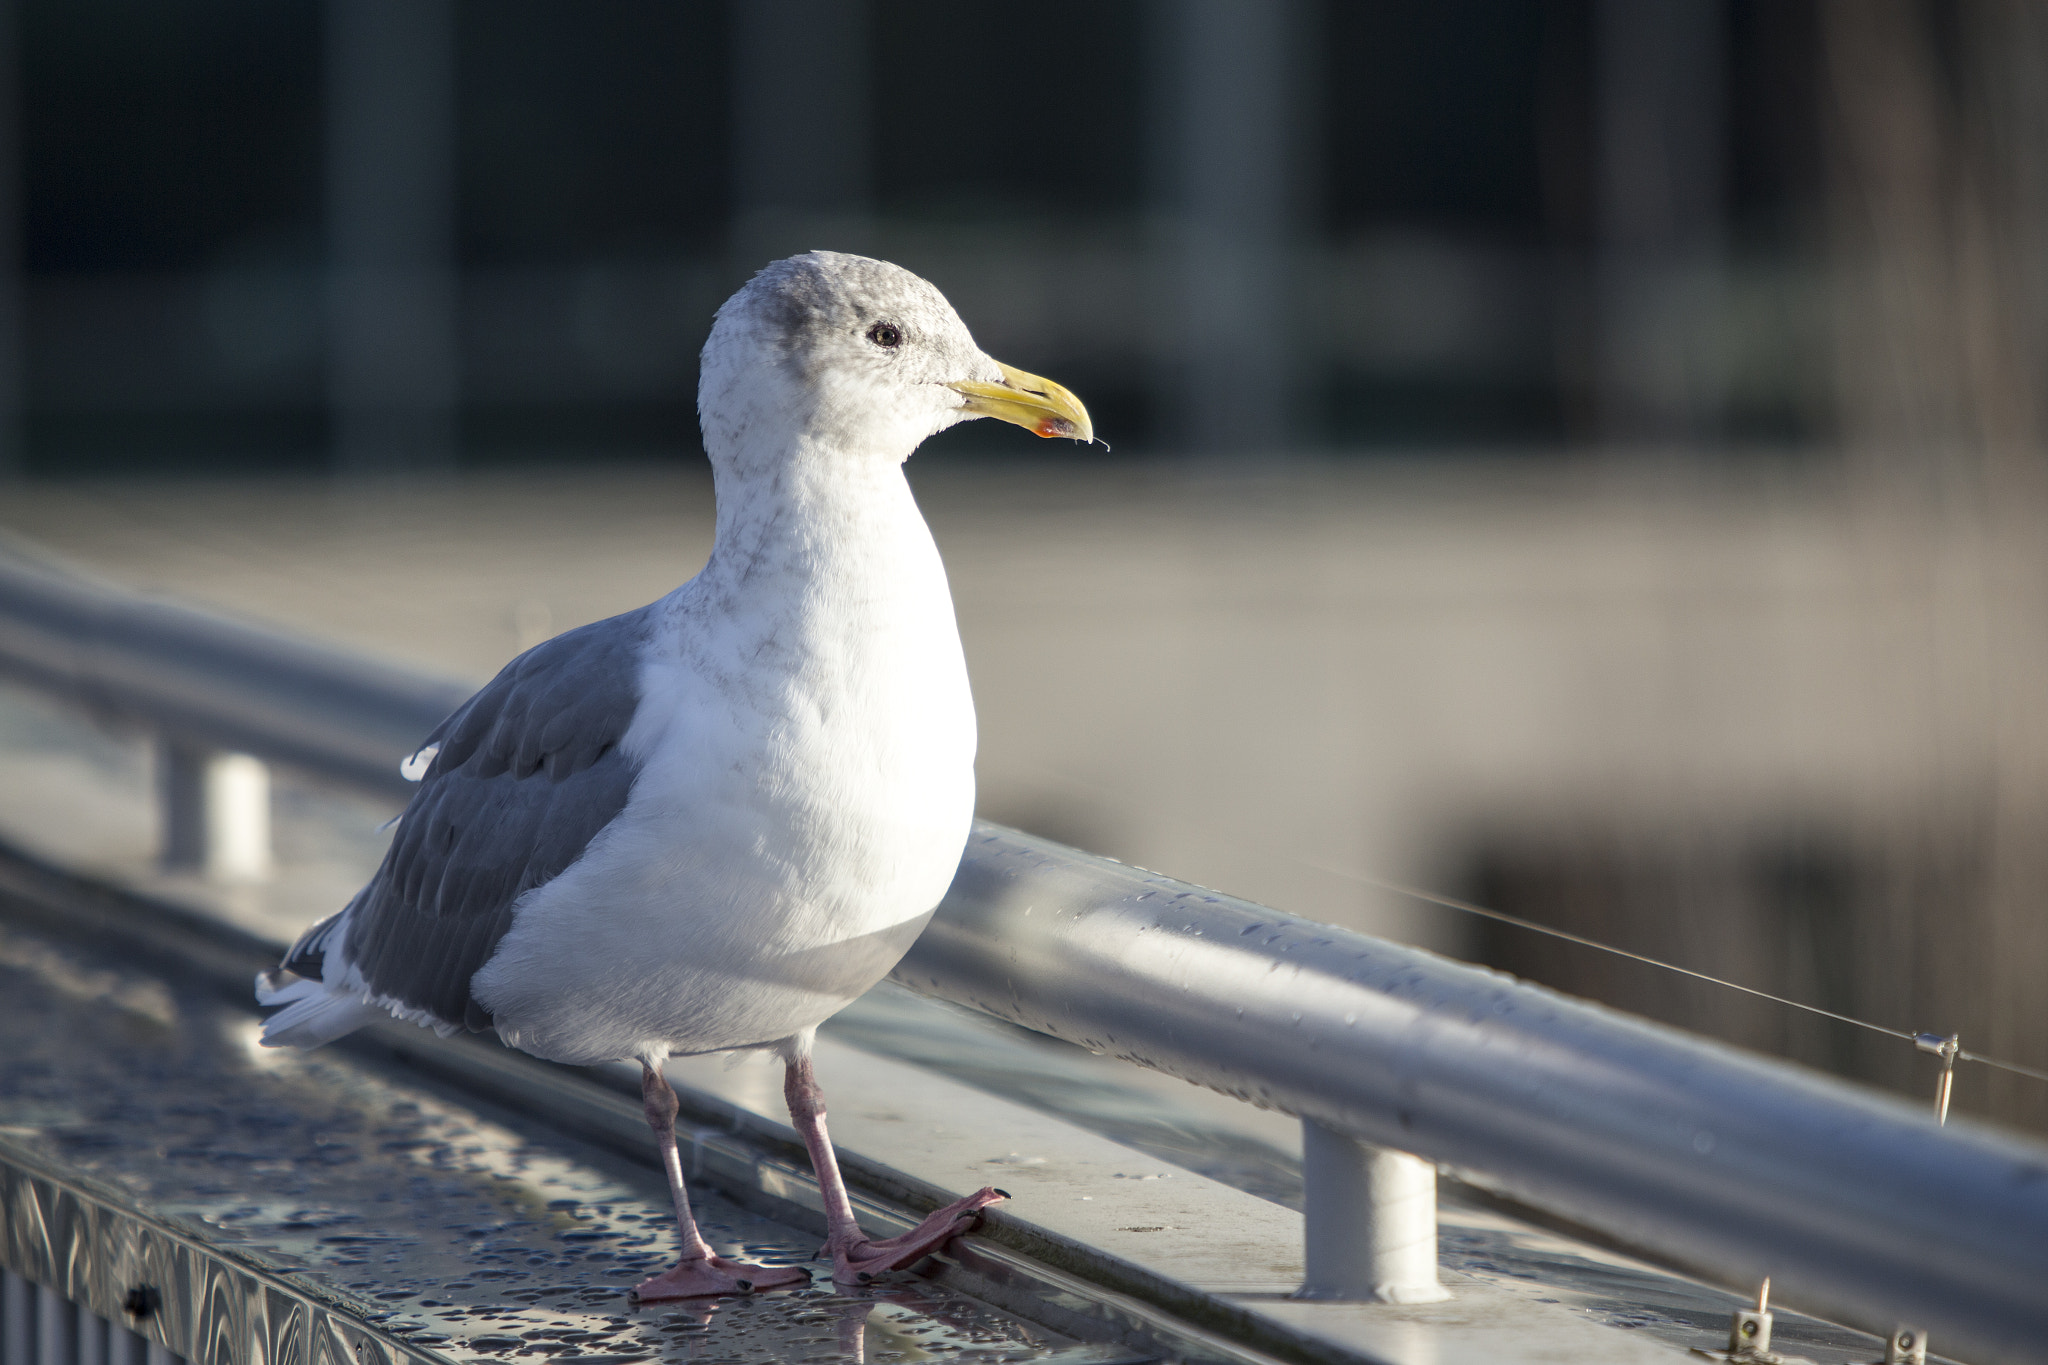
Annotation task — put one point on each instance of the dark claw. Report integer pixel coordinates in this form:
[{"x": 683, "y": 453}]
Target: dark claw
[
  {"x": 864, "y": 1276},
  {"x": 746, "y": 1286},
  {"x": 1004, "y": 1193}
]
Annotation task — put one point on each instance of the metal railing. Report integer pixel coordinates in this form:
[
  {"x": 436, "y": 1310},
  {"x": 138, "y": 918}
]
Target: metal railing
[
  {"x": 38, "y": 1324},
  {"x": 1856, "y": 1203}
]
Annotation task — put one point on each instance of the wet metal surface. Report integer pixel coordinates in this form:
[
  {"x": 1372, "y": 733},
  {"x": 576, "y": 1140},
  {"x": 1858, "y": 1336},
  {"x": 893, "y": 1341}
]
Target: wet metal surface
[{"x": 454, "y": 1229}]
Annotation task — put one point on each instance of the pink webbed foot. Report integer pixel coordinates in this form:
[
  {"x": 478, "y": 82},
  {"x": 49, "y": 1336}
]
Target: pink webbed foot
[
  {"x": 864, "y": 1258},
  {"x": 711, "y": 1275}
]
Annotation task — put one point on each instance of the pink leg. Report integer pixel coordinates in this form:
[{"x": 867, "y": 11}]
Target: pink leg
[
  {"x": 856, "y": 1256},
  {"x": 700, "y": 1272}
]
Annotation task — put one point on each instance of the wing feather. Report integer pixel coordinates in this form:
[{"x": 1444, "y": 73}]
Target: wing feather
[{"x": 527, "y": 772}]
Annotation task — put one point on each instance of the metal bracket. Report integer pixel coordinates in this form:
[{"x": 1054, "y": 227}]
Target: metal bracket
[
  {"x": 1749, "y": 1340},
  {"x": 1749, "y": 1337},
  {"x": 1908, "y": 1346}
]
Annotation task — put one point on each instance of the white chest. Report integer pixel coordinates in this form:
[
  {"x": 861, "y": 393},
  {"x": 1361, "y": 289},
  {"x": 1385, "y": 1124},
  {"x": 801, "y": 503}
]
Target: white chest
[{"x": 830, "y": 731}]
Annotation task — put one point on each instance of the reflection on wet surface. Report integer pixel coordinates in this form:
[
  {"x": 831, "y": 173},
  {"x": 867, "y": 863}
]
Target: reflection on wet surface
[{"x": 453, "y": 1227}]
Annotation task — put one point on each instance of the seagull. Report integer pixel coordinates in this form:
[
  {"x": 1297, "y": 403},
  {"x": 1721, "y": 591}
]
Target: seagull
[{"x": 709, "y": 824}]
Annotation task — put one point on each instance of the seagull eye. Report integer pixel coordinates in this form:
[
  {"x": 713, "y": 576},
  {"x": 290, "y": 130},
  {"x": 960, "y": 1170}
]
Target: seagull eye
[{"x": 886, "y": 335}]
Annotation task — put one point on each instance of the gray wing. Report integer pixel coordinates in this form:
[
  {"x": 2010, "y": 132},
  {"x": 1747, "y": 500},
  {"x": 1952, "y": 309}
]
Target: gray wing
[{"x": 529, "y": 770}]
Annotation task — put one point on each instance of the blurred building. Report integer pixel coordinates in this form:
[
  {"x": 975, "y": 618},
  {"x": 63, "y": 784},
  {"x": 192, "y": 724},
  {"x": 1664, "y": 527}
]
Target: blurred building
[{"x": 400, "y": 233}]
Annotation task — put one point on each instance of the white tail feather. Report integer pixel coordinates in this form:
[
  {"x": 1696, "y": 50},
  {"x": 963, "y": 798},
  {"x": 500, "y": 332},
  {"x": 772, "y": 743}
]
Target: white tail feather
[{"x": 313, "y": 1014}]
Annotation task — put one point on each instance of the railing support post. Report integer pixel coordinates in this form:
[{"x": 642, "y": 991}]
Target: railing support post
[
  {"x": 1371, "y": 1215},
  {"x": 56, "y": 1318},
  {"x": 215, "y": 812},
  {"x": 17, "y": 1317}
]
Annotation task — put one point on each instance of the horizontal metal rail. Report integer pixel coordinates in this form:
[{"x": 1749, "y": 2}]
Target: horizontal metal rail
[
  {"x": 1851, "y": 1201},
  {"x": 215, "y": 683}
]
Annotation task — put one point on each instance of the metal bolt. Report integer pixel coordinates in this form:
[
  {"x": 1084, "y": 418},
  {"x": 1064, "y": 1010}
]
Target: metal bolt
[{"x": 1908, "y": 1347}]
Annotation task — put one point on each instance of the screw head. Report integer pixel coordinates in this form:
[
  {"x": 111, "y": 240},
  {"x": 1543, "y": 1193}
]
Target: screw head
[{"x": 1749, "y": 1329}]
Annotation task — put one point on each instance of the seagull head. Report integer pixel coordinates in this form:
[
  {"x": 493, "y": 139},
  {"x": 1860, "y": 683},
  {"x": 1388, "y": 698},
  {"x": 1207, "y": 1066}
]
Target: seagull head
[{"x": 828, "y": 355}]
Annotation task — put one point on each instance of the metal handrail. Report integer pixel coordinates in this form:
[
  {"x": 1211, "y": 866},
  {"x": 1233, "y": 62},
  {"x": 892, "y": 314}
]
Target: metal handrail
[
  {"x": 1854, "y": 1201},
  {"x": 217, "y": 683}
]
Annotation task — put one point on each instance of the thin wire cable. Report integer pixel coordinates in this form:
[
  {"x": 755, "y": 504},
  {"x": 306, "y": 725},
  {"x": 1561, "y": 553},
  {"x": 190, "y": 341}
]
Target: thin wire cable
[
  {"x": 1484, "y": 912},
  {"x": 1963, "y": 1055}
]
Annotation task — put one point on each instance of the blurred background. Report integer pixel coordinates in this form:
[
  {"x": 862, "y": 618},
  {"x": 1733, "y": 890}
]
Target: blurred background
[{"x": 1585, "y": 456}]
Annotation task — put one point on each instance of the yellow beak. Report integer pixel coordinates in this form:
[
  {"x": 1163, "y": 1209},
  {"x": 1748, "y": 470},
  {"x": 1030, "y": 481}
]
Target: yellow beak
[{"x": 1029, "y": 401}]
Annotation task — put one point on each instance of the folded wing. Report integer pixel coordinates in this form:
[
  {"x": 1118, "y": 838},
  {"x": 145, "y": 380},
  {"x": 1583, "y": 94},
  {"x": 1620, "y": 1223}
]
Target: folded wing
[{"x": 522, "y": 777}]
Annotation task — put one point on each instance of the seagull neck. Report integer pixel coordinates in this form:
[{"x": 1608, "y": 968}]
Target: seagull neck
[{"x": 812, "y": 518}]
